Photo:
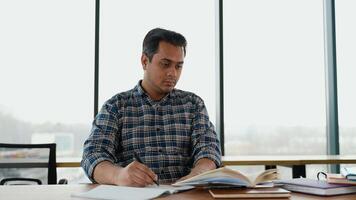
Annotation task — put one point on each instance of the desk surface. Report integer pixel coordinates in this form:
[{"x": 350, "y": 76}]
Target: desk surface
[{"x": 63, "y": 192}]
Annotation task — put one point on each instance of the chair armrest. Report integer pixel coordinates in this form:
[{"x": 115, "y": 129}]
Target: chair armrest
[
  {"x": 63, "y": 181},
  {"x": 7, "y": 180}
]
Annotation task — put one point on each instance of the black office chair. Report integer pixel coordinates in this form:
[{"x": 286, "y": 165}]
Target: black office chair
[{"x": 20, "y": 156}]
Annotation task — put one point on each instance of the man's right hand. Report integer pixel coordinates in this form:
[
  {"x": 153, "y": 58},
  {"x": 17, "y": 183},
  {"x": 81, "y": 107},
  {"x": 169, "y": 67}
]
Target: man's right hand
[{"x": 135, "y": 174}]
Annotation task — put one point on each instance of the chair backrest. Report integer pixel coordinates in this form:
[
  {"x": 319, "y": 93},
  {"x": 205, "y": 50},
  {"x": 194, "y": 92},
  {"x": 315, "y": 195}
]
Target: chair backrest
[{"x": 12, "y": 157}]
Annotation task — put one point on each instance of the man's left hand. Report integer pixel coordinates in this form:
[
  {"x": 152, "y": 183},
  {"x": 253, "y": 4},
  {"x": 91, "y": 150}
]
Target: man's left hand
[{"x": 203, "y": 165}]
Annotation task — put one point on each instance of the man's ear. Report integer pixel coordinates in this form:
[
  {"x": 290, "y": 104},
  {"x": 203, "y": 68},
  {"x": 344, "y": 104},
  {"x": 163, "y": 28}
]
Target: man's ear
[{"x": 144, "y": 61}]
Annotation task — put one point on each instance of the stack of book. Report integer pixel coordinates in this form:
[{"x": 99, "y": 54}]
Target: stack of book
[{"x": 347, "y": 176}]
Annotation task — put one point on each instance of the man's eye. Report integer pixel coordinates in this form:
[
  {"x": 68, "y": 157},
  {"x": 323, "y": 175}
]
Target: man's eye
[
  {"x": 165, "y": 64},
  {"x": 179, "y": 66}
]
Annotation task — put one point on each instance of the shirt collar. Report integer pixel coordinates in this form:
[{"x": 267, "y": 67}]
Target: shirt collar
[
  {"x": 141, "y": 92},
  {"x": 139, "y": 89}
]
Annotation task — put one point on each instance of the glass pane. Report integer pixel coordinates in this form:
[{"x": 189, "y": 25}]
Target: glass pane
[
  {"x": 47, "y": 70},
  {"x": 346, "y": 62},
  {"x": 123, "y": 27},
  {"x": 274, "y": 77},
  {"x": 24, "y": 155}
]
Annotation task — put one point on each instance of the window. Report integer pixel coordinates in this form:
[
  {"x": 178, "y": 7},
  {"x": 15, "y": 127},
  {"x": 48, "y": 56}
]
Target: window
[
  {"x": 47, "y": 70},
  {"x": 274, "y": 77},
  {"x": 123, "y": 26},
  {"x": 346, "y": 43}
]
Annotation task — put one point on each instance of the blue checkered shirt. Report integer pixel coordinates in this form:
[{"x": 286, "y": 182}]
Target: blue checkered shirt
[{"x": 169, "y": 135}]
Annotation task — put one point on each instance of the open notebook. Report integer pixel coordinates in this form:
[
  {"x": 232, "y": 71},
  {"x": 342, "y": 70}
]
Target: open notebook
[{"x": 112, "y": 192}]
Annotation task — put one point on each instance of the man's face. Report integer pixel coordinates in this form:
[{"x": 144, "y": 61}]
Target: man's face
[{"x": 163, "y": 72}]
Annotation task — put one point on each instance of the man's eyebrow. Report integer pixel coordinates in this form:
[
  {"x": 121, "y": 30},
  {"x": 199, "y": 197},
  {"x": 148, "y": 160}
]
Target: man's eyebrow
[{"x": 169, "y": 60}]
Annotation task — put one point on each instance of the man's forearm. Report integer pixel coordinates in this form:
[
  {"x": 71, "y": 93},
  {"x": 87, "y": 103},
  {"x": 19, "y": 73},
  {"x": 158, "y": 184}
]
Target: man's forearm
[
  {"x": 203, "y": 165},
  {"x": 106, "y": 172}
]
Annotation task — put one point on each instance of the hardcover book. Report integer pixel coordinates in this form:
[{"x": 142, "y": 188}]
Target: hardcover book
[{"x": 260, "y": 193}]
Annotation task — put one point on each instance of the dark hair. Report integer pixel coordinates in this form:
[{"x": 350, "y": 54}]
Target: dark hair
[{"x": 154, "y": 36}]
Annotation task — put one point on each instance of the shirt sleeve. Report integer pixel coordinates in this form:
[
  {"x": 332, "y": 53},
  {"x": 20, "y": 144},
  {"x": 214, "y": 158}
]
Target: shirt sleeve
[
  {"x": 205, "y": 141},
  {"x": 102, "y": 142}
]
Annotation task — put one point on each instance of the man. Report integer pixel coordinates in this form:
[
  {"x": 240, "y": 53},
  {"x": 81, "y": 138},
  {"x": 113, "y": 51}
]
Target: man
[{"x": 169, "y": 129}]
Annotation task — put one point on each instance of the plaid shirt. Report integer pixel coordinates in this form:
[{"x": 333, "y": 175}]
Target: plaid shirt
[{"x": 169, "y": 135}]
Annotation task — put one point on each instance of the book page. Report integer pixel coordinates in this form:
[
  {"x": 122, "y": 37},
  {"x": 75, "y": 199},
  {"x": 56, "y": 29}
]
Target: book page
[
  {"x": 267, "y": 175},
  {"x": 349, "y": 172},
  {"x": 112, "y": 192},
  {"x": 219, "y": 173},
  {"x": 229, "y": 176}
]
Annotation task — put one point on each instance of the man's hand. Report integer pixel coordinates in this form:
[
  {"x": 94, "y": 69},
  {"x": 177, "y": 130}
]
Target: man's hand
[
  {"x": 201, "y": 166},
  {"x": 135, "y": 174}
]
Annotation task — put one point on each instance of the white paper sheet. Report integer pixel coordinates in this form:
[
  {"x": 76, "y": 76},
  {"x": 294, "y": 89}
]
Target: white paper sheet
[{"x": 111, "y": 192}]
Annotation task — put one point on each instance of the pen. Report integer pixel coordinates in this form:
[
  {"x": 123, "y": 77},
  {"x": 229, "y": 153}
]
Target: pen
[{"x": 138, "y": 159}]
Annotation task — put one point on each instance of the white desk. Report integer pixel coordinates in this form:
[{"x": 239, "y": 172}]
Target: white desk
[{"x": 63, "y": 192}]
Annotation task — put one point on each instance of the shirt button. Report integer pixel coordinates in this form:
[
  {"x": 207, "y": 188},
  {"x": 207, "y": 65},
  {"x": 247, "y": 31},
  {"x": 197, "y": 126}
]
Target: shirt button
[
  {"x": 162, "y": 171},
  {"x": 160, "y": 150},
  {"x": 158, "y": 129}
]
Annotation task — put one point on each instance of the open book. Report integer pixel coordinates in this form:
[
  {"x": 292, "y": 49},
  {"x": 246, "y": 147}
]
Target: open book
[
  {"x": 228, "y": 177},
  {"x": 349, "y": 173}
]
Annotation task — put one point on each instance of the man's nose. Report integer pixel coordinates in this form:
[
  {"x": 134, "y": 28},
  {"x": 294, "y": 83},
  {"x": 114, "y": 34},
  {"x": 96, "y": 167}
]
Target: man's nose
[{"x": 172, "y": 71}]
